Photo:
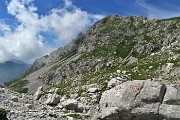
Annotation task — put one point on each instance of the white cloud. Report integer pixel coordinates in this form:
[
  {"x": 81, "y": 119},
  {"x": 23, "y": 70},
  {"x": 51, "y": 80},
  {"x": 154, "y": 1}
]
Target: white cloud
[
  {"x": 25, "y": 41},
  {"x": 157, "y": 11},
  {"x": 4, "y": 27}
]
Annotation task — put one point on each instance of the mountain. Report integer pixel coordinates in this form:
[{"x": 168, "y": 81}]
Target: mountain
[
  {"x": 125, "y": 68},
  {"x": 11, "y": 69}
]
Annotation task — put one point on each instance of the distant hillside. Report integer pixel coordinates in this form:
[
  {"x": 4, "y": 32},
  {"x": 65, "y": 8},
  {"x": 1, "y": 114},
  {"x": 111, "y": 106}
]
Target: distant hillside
[{"x": 11, "y": 69}]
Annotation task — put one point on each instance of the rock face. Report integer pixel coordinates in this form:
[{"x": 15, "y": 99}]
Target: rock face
[{"x": 140, "y": 100}]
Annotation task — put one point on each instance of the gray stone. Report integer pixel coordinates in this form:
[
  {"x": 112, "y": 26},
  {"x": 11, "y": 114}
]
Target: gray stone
[
  {"x": 53, "y": 99},
  {"x": 170, "y": 112},
  {"x": 152, "y": 92},
  {"x": 113, "y": 82},
  {"x": 14, "y": 99},
  {"x": 146, "y": 112},
  {"x": 168, "y": 67},
  {"x": 2, "y": 90},
  {"x": 147, "y": 102},
  {"x": 172, "y": 96},
  {"x": 29, "y": 106},
  {"x": 110, "y": 113},
  {"x": 93, "y": 90},
  {"x": 70, "y": 104},
  {"x": 38, "y": 93},
  {"x": 80, "y": 108},
  {"x": 121, "y": 96}
]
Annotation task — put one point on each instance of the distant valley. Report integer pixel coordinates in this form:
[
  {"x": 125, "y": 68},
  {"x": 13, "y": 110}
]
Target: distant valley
[{"x": 11, "y": 69}]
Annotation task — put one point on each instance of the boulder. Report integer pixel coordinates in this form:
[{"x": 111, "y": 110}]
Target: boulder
[
  {"x": 70, "y": 104},
  {"x": 113, "y": 82},
  {"x": 53, "y": 99},
  {"x": 38, "y": 93},
  {"x": 14, "y": 99},
  {"x": 169, "y": 112},
  {"x": 93, "y": 90},
  {"x": 80, "y": 108},
  {"x": 2, "y": 90},
  {"x": 136, "y": 99},
  {"x": 29, "y": 106},
  {"x": 152, "y": 92},
  {"x": 147, "y": 102},
  {"x": 172, "y": 96},
  {"x": 121, "y": 96},
  {"x": 110, "y": 113},
  {"x": 170, "y": 108}
]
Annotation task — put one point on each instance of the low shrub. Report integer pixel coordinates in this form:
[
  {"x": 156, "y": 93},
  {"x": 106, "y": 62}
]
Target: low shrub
[{"x": 3, "y": 114}]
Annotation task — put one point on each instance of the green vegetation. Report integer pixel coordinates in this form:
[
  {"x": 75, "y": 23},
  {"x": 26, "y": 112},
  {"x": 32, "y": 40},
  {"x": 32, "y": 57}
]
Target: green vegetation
[
  {"x": 75, "y": 116},
  {"x": 105, "y": 20},
  {"x": 104, "y": 86},
  {"x": 52, "y": 115},
  {"x": 19, "y": 83},
  {"x": 64, "y": 88},
  {"x": 3, "y": 114}
]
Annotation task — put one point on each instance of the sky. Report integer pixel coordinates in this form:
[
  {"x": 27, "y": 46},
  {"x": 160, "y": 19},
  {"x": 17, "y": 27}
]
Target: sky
[{"x": 30, "y": 29}]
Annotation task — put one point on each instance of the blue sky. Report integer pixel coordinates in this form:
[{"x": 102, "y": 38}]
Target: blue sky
[{"x": 30, "y": 29}]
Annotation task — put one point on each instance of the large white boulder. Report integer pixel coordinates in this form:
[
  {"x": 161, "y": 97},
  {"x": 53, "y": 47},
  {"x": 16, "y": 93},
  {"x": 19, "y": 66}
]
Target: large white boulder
[{"x": 139, "y": 99}]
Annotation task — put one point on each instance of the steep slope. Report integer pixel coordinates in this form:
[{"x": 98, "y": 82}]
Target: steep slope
[
  {"x": 142, "y": 48},
  {"x": 11, "y": 69}
]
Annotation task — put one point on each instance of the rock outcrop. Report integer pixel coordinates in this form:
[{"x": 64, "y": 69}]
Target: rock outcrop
[{"x": 140, "y": 100}]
